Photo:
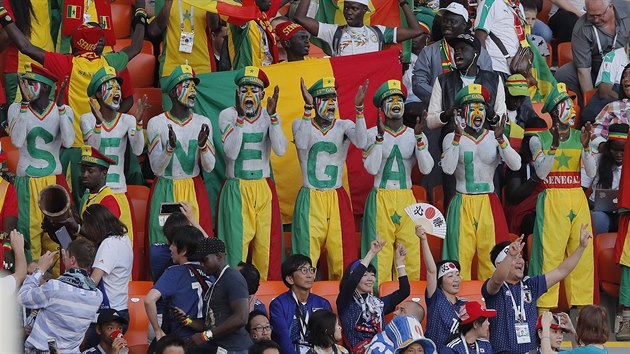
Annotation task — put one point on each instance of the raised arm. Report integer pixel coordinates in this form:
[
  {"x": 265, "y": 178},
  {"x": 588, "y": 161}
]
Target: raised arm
[
  {"x": 160, "y": 153},
  {"x": 429, "y": 262},
  {"x": 450, "y": 146},
  {"x": 17, "y": 243},
  {"x": 158, "y": 26},
  {"x": 507, "y": 153},
  {"x": 206, "y": 148},
  {"x": 279, "y": 142},
  {"x": 561, "y": 272},
  {"x": 423, "y": 156},
  {"x": 311, "y": 25},
  {"x": 392, "y": 300},
  {"x": 135, "y": 132},
  {"x": 543, "y": 163},
  {"x": 414, "y": 29},
  {"x": 590, "y": 165},
  {"x": 357, "y": 133},
  {"x": 21, "y": 41},
  {"x": 493, "y": 285},
  {"x": 137, "y": 37},
  {"x": 231, "y": 124},
  {"x": 373, "y": 151}
]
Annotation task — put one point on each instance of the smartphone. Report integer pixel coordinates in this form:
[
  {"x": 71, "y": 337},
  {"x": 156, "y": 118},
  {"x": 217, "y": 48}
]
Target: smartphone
[
  {"x": 52, "y": 345},
  {"x": 64, "y": 237},
  {"x": 170, "y": 208}
]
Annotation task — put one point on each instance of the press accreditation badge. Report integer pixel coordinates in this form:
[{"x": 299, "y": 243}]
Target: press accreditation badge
[
  {"x": 186, "y": 40},
  {"x": 87, "y": 18},
  {"x": 522, "y": 333}
]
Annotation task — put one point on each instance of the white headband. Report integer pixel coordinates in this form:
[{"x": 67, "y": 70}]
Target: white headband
[
  {"x": 501, "y": 256},
  {"x": 446, "y": 268}
]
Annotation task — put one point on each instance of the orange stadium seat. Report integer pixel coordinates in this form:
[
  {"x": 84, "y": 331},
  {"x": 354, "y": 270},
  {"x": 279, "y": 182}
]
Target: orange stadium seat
[
  {"x": 13, "y": 154},
  {"x": 565, "y": 54},
  {"x": 147, "y": 47},
  {"x": 137, "y": 332},
  {"x": 142, "y": 70},
  {"x": 609, "y": 271},
  {"x": 471, "y": 290},
  {"x": 329, "y": 290},
  {"x": 138, "y": 199},
  {"x": 588, "y": 95},
  {"x": 435, "y": 244},
  {"x": 538, "y": 109},
  {"x": 416, "y": 294},
  {"x": 419, "y": 193},
  {"x": 154, "y": 99},
  {"x": 316, "y": 52},
  {"x": 543, "y": 15},
  {"x": 268, "y": 290},
  {"x": 121, "y": 19}
]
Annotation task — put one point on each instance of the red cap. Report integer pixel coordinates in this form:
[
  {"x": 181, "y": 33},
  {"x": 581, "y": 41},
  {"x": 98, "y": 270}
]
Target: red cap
[
  {"x": 91, "y": 156},
  {"x": 286, "y": 30},
  {"x": 36, "y": 69},
  {"x": 472, "y": 310},
  {"x": 555, "y": 324},
  {"x": 85, "y": 38}
]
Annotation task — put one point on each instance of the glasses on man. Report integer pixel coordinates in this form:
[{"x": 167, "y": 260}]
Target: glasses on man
[
  {"x": 597, "y": 16},
  {"x": 262, "y": 329},
  {"x": 306, "y": 270}
]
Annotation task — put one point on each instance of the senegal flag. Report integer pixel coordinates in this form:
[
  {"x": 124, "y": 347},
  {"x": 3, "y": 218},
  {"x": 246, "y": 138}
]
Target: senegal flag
[
  {"x": 216, "y": 92},
  {"x": 381, "y": 12},
  {"x": 542, "y": 74},
  {"x": 245, "y": 11}
]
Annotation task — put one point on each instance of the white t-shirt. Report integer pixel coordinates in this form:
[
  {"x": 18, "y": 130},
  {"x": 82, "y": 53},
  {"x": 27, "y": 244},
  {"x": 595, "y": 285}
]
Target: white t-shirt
[
  {"x": 612, "y": 67},
  {"x": 115, "y": 258},
  {"x": 497, "y": 17},
  {"x": 355, "y": 40},
  {"x": 578, "y": 4},
  {"x": 7, "y": 284}
]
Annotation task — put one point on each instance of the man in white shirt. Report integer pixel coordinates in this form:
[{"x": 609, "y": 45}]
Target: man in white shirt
[{"x": 356, "y": 37}]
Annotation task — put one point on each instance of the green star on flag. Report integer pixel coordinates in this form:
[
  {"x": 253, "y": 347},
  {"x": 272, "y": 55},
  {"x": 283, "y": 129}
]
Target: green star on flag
[
  {"x": 563, "y": 160},
  {"x": 571, "y": 215},
  {"x": 475, "y": 223},
  {"x": 186, "y": 15},
  {"x": 395, "y": 218}
]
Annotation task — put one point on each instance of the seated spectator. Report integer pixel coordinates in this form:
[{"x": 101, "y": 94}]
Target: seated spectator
[
  {"x": 294, "y": 39},
  {"x": 258, "y": 326},
  {"x": 52, "y": 298},
  {"x": 517, "y": 102},
  {"x": 563, "y": 16},
  {"x": 109, "y": 328},
  {"x": 252, "y": 277},
  {"x": 264, "y": 347},
  {"x": 523, "y": 186},
  {"x": 614, "y": 112},
  {"x": 11, "y": 283},
  {"x": 560, "y": 324},
  {"x": 443, "y": 282},
  {"x": 291, "y": 311},
  {"x": 402, "y": 335},
  {"x": 530, "y": 12},
  {"x": 473, "y": 330},
  {"x": 516, "y": 325},
  {"x": 410, "y": 308},
  {"x": 181, "y": 286},
  {"x": 355, "y": 37},
  {"x": 591, "y": 332},
  {"x": 363, "y": 314},
  {"x": 324, "y": 332},
  {"x": 608, "y": 177},
  {"x": 170, "y": 344},
  {"x": 111, "y": 270}
]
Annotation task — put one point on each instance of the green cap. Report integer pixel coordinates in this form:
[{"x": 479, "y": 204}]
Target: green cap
[
  {"x": 103, "y": 75},
  {"x": 517, "y": 85},
  {"x": 389, "y": 88},
  {"x": 39, "y": 74},
  {"x": 558, "y": 94},
  {"x": 179, "y": 74},
  {"x": 323, "y": 87},
  {"x": 251, "y": 75},
  {"x": 471, "y": 93}
]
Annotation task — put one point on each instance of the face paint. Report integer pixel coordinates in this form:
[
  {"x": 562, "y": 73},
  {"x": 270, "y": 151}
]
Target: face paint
[
  {"x": 566, "y": 112},
  {"x": 250, "y": 96},
  {"x": 111, "y": 93},
  {"x": 34, "y": 88},
  {"x": 475, "y": 113},
  {"x": 187, "y": 93},
  {"x": 393, "y": 107},
  {"x": 326, "y": 107}
]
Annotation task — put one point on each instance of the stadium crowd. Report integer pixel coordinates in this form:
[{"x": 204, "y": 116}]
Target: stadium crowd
[{"x": 517, "y": 140}]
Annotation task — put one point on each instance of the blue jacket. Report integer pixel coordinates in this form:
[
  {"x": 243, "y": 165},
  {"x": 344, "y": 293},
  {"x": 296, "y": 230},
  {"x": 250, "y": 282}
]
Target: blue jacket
[{"x": 282, "y": 318}]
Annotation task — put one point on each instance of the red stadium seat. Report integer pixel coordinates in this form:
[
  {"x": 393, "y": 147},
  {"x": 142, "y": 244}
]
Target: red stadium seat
[
  {"x": 588, "y": 95},
  {"x": 419, "y": 193},
  {"x": 435, "y": 244},
  {"x": 121, "y": 19},
  {"x": 608, "y": 270},
  {"x": 543, "y": 15},
  {"x": 544, "y": 116},
  {"x": 565, "y": 54},
  {"x": 438, "y": 198},
  {"x": 329, "y": 290},
  {"x": 137, "y": 332},
  {"x": 13, "y": 154},
  {"x": 316, "y": 52},
  {"x": 269, "y": 290},
  {"x": 142, "y": 70},
  {"x": 471, "y": 290},
  {"x": 138, "y": 200},
  {"x": 549, "y": 58},
  {"x": 154, "y": 99},
  {"x": 416, "y": 294},
  {"x": 147, "y": 47}
]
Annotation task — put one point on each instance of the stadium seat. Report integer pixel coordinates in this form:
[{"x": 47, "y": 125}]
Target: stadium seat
[
  {"x": 138, "y": 198},
  {"x": 608, "y": 270},
  {"x": 316, "y": 52},
  {"x": 435, "y": 244},
  {"x": 438, "y": 198},
  {"x": 147, "y": 46},
  {"x": 471, "y": 290},
  {"x": 121, "y": 19},
  {"x": 543, "y": 15},
  {"x": 13, "y": 154},
  {"x": 416, "y": 294},
  {"x": 142, "y": 70},
  {"x": 588, "y": 95},
  {"x": 419, "y": 193},
  {"x": 268, "y": 290},
  {"x": 137, "y": 332},
  {"x": 549, "y": 58},
  {"x": 154, "y": 99},
  {"x": 329, "y": 290},
  {"x": 544, "y": 116},
  {"x": 565, "y": 54}
]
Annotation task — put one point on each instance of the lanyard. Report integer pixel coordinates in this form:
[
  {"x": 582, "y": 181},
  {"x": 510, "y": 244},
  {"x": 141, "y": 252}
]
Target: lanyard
[
  {"x": 466, "y": 344},
  {"x": 191, "y": 18},
  {"x": 519, "y": 313},
  {"x": 599, "y": 43},
  {"x": 209, "y": 297},
  {"x": 302, "y": 318}
]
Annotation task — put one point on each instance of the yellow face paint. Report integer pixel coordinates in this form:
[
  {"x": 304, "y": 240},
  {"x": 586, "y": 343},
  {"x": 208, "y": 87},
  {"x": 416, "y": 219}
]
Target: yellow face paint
[
  {"x": 394, "y": 107},
  {"x": 250, "y": 97},
  {"x": 111, "y": 94},
  {"x": 326, "y": 106},
  {"x": 475, "y": 113},
  {"x": 566, "y": 112},
  {"x": 187, "y": 93}
]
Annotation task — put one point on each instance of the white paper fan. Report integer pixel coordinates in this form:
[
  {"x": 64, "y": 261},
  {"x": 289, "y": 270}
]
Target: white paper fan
[{"x": 429, "y": 217}]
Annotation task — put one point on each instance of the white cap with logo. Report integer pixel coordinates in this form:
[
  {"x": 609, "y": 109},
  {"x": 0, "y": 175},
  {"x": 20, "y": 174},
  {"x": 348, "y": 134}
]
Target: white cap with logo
[{"x": 456, "y": 8}]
